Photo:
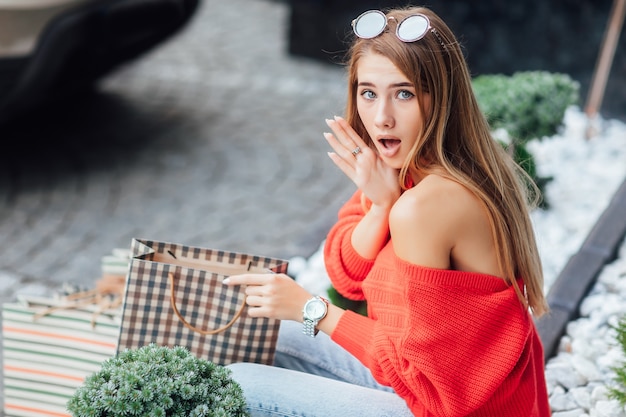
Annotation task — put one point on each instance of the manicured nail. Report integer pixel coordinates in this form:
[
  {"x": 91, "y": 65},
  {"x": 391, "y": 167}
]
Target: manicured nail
[{"x": 226, "y": 281}]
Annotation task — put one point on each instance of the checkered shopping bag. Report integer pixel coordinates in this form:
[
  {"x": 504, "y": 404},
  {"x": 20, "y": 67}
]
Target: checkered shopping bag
[{"x": 175, "y": 297}]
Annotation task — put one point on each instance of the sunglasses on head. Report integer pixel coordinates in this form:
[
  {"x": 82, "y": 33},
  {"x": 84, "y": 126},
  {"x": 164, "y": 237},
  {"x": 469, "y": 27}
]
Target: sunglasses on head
[{"x": 410, "y": 29}]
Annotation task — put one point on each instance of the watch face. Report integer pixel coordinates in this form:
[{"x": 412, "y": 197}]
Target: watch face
[{"x": 315, "y": 309}]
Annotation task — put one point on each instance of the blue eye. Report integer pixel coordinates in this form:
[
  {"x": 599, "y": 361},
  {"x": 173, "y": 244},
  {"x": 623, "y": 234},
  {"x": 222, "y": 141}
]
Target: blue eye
[
  {"x": 405, "y": 95},
  {"x": 368, "y": 94}
]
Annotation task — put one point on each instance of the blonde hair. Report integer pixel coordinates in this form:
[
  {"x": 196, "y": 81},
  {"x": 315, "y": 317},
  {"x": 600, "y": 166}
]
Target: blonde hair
[{"x": 456, "y": 138}]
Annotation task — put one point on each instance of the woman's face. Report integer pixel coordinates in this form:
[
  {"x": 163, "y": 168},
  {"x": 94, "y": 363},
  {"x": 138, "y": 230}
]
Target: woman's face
[{"x": 388, "y": 107}]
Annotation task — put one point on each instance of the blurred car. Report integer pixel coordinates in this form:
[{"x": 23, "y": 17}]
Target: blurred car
[{"x": 52, "y": 49}]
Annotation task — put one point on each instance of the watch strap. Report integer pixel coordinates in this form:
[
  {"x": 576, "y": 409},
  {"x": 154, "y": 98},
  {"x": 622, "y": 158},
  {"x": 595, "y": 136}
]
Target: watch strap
[{"x": 310, "y": 328}]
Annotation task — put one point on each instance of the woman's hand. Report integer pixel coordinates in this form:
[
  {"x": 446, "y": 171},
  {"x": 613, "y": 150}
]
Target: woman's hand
[
  {"x": 272, "y": 295},
  {"x": 377, "y": 180}
]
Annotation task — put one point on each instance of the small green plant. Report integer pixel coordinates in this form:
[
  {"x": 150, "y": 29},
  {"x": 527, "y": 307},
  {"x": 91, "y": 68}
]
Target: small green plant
[
  {"x": 619, "y": 392},
  {"x": 528, "y": 105},
  {"x": 339, "y": 300},
  {"x": 155, "y": 381}
]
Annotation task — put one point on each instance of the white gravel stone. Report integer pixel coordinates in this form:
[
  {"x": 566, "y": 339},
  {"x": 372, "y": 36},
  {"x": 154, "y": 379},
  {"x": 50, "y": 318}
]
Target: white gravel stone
[
  {"x": 610, "y": 408},
  {"x": 582, "y": 397}
]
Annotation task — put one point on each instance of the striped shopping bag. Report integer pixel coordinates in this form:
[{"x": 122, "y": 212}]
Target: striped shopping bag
[{"x": 48, "y": 350}]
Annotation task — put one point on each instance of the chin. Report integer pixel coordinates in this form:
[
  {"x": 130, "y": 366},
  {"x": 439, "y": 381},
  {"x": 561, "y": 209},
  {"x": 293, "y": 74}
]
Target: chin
[{"x": 396, "y": 162}]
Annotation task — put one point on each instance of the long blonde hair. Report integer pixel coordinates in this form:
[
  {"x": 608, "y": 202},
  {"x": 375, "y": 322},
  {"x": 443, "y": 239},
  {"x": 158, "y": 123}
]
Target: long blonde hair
[{"x": 456, "y": 138}]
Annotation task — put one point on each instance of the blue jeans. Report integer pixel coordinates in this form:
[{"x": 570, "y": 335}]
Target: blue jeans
[{"x": 314, "y": 377}]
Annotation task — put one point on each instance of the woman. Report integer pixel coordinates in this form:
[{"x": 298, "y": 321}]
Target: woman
[{"x": 437, "y": 239}]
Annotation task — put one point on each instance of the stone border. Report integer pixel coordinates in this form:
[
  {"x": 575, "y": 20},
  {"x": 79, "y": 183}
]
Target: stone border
[{"x": 580, "y": 273}]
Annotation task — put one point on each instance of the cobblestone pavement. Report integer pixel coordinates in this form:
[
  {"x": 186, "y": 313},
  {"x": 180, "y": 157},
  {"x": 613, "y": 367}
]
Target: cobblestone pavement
[{"x": 213, "y": 139}]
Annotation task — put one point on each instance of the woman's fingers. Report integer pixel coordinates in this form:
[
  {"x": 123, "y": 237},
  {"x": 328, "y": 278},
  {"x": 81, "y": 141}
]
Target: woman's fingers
[
  {"x": 346, "y": 133},
  {"x": 340, "y": 149},
  {"x": 344, "y": 141},
  {"x": 271, "y": 295},
  {"x": 351, "y": 154},
  {"x": 248, "y": 279}
]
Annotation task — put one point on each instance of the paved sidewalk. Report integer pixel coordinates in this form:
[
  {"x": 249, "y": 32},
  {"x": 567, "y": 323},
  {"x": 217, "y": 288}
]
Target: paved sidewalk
[{"x": 213, "y": 139}]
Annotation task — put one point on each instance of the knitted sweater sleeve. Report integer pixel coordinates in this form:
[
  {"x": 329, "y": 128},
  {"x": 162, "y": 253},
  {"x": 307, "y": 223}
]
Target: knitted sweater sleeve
[
  {"x": 457, "y": 340},
  {"x": 346, "y": 268}
]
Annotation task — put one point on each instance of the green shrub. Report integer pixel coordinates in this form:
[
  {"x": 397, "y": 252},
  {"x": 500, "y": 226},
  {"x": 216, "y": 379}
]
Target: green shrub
[
  {"x": 528, "y": 105},
  {"x": 619, "y": 392},
  {"x": 155, "y": 381}
]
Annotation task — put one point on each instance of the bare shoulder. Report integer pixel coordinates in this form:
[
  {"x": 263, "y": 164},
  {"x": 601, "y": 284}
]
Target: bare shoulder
[
  {"x": 436, "y": 198},
  {"x": 429, "y": 220}
]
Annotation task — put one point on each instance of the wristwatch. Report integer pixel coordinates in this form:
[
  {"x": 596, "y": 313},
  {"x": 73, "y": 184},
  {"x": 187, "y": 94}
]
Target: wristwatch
[{"x": 314, "y": 310}]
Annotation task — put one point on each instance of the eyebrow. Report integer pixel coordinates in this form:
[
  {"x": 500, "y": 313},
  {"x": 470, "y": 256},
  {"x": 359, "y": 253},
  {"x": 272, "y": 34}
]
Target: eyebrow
[{"x": 395, "y": 85}]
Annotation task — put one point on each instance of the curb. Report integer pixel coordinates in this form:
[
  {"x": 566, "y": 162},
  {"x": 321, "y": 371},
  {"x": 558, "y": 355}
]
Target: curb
[{"x": 581, "y": 271}]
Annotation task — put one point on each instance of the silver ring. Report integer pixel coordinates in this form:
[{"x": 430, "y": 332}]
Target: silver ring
[{"x": 356, "y": 151}]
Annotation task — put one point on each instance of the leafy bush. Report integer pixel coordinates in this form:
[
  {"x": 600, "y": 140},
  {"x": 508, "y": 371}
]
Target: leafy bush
[
  {"x": 155, "y": 381},
  {"x": 619, "y": 392},
  {"x": 528, "y": 105}
]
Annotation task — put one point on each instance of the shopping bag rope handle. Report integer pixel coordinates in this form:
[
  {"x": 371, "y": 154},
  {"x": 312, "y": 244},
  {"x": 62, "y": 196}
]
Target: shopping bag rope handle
[{"x": 191, "y": 327}]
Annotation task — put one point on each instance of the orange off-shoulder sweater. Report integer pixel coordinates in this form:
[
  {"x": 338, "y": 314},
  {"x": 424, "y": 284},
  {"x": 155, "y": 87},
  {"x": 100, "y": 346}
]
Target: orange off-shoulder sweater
[{"x": 450, "y": 343}]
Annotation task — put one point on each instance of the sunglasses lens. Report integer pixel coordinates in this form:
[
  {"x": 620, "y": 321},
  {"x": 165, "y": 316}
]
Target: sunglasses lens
[
  {"x": 370, "y": 24},
  {"x": 413, "y": 28}
]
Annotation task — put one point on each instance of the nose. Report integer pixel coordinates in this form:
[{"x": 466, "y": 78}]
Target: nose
[{"x": 384, "y": 115}]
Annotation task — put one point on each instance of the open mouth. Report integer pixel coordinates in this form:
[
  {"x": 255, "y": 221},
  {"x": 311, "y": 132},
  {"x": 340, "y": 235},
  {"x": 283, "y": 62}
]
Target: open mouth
[
  {"x": 390, "y": 147},
  {"x": 390, "y": 143}
]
